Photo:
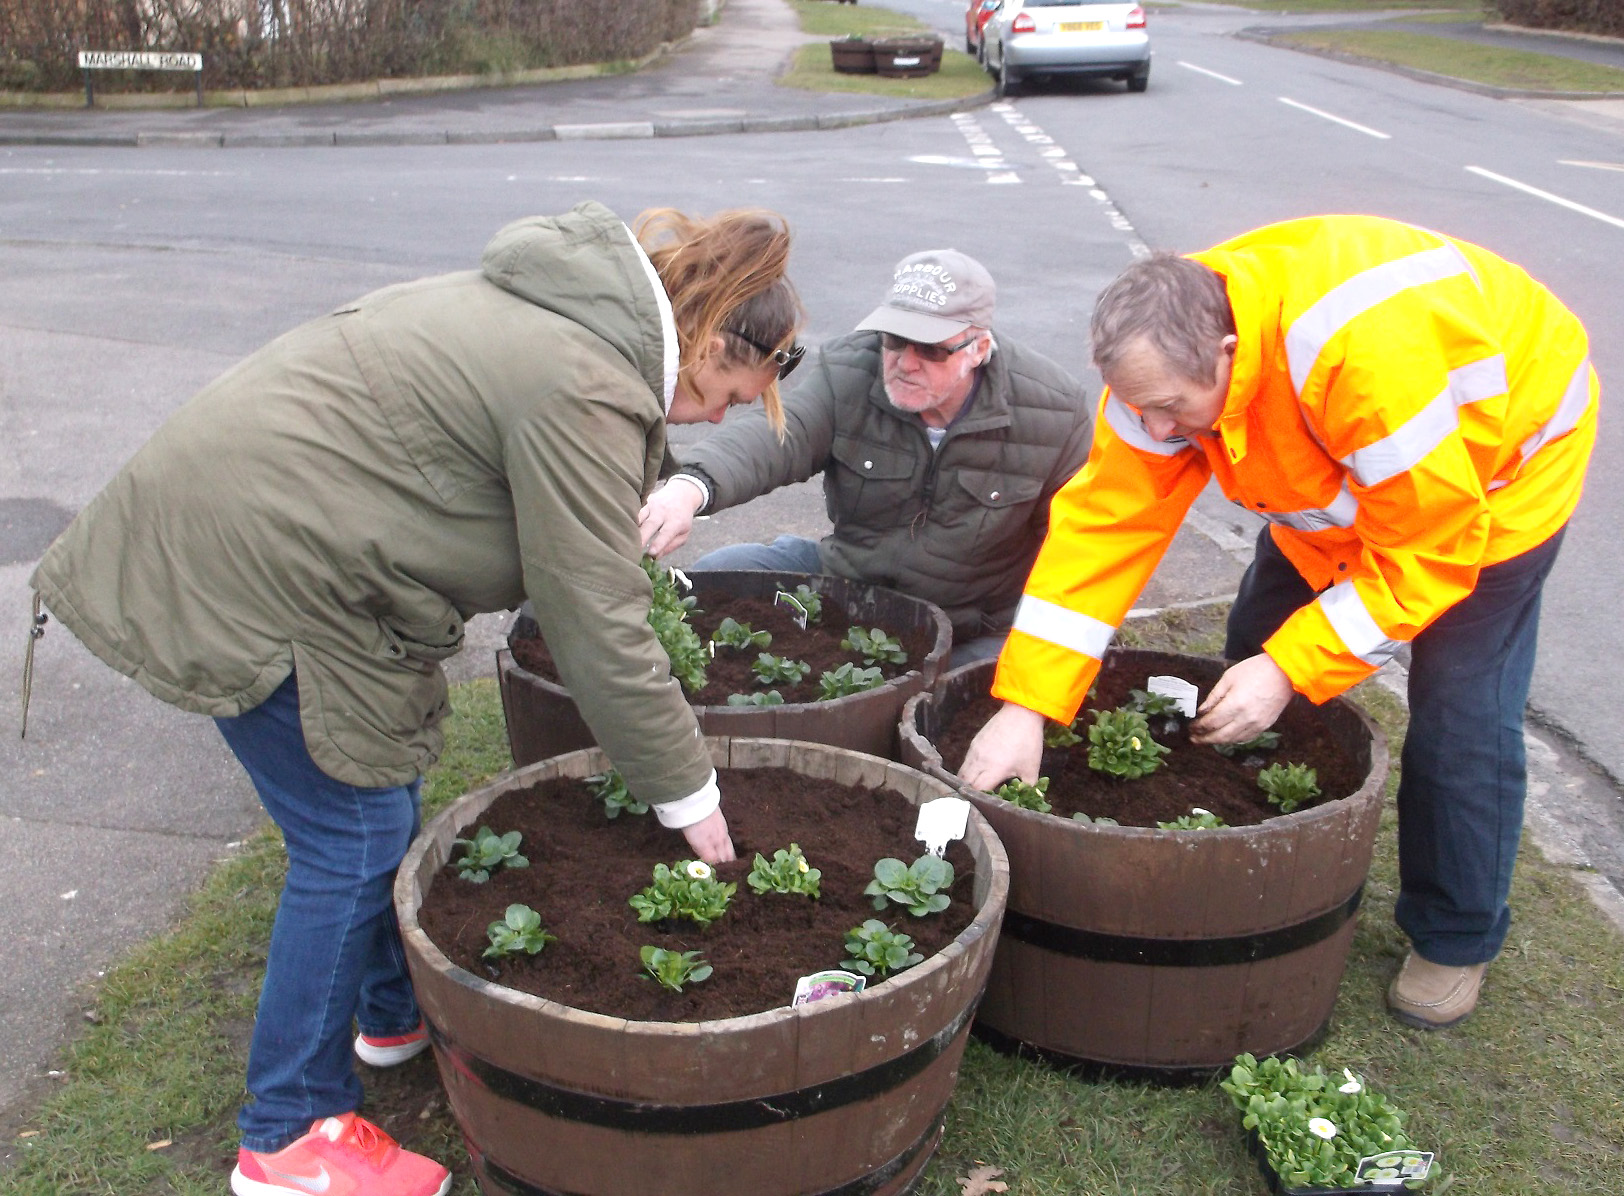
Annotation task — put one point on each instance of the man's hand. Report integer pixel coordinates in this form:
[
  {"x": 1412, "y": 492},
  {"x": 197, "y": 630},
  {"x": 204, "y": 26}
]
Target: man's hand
[
  {"x": 668, "y": 517},
  {"x": 1010, "y": 745},
  {"x": 710, "y": 840},
  {"x": 1246, "y": 702}
]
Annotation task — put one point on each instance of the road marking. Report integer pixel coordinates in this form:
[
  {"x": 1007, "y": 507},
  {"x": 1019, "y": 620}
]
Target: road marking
[
  {"x": 1365, "y": 129},
  {"x": 988, "y": 156},
  {"x": 964, "y": 163},
  {"x": 213, "y": 174},
  {"x": 884, "y": 178},
  {"x": 1546, "y": 195},
  {"x": 1201, "y": 70},
  {"x": 1593, "y": 165},
  {"x": 1071, "y": 174}
]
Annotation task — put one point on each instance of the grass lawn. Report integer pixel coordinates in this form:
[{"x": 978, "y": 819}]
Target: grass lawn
[
  {"x": 1464, "y": 60},
  {"x": 1522, "y": 1100},
  {"x": 813, "y": 69}
]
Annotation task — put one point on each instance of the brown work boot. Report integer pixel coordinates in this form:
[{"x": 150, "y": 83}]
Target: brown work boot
[{"x": 1432, "y": 995}]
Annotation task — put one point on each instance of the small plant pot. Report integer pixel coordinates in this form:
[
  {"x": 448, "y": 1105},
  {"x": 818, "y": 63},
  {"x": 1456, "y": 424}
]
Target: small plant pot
[
  {"x": 907, "y": 57},
  {"x": 846, "y": 1094},
  {"x": 1164, "y": 954},
  {"x": 852, "y": 56},
  {"x": 543, "y": 721}
]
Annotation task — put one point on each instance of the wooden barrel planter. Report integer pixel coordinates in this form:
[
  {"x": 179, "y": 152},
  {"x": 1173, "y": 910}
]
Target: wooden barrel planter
[
  {"x": 844, "y": 1095},
  {"x": 907, "y": 57},
  {"x": 1164, "y": 954},
  {"x": 543, "y": 721},
  {"x": 852, "y": 56}
]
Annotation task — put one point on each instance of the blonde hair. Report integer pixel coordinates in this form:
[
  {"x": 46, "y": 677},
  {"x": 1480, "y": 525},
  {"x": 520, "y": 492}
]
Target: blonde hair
[{"x": 727, "y": 273}]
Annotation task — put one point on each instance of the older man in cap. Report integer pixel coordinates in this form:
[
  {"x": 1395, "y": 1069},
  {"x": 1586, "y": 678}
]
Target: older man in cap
[{"x": 940, "y": 445}]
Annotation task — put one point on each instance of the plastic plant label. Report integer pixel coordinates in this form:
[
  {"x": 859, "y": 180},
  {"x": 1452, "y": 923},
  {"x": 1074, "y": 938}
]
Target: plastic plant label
[
  {"x": 830, "y": 983},
  {"x": 1177, "y": 688},
  {"x": 798, "y": 611},
  {"x": 940, "y": 822},
  {"x": 1394, "y": 1167}
]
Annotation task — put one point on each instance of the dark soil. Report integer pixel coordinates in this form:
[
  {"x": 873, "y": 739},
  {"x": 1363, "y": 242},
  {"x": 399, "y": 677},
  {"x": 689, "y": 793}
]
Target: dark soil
[
  {"x": 730, "y": 672},
  {"x": 583, "y": 867},
  {"x": 1191, "y": 774}
]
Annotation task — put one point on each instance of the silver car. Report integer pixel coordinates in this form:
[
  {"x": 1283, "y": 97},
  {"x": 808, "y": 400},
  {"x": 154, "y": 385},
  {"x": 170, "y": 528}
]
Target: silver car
[{"x": 1104, "y": 38}]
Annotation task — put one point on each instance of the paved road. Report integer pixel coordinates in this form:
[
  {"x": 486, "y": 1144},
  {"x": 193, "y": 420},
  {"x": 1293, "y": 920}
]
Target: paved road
[{"x": 132, "y": 276}]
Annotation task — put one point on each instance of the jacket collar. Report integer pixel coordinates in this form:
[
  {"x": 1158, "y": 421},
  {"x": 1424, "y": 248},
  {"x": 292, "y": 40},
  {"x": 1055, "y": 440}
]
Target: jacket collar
[{"x": 668, "y": 323}]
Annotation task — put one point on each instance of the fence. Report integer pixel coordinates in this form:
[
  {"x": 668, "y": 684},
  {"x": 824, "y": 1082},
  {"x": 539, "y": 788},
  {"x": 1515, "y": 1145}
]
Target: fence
[{"x": 301, "y": 43}]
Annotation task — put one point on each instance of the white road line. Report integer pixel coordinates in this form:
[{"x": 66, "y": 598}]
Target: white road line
[
  {"x": 212, "y": 174},
  {"x": 1593, "y": 165},
  {"x": 1546, "y": 195},
  {"x": 1366, "y": 130},
  {"x": 1069, "y": 172},
  {"x": 1201, "y": 70}
]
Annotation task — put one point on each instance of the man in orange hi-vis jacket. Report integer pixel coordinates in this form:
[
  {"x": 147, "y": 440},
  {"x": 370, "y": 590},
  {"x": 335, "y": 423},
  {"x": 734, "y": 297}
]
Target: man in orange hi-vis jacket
[{"x": 1413, "y": 416}]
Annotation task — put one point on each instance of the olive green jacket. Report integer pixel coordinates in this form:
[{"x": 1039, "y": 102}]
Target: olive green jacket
[
  {"x": 342, "y": 500},
  {"x": 959, "y": 525}
]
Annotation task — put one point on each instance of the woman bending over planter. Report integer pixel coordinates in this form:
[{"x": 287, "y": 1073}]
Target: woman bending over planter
[{"x": 295, "y": 550}]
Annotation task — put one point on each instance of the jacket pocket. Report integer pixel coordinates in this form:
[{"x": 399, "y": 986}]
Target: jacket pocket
[
  {"x": 995, "y": 507},
  {"x": 869, "y": 481},
  {"x": 428, "y": 640}
]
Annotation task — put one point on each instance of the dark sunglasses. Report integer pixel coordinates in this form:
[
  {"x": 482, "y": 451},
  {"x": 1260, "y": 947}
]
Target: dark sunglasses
[
  {"x": 785, "y": 359},
  {"x": 936, "y": 353}
]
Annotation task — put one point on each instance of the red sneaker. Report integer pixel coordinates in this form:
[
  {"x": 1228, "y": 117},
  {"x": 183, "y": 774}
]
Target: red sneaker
[
  {"x": 340, "y": 1156},
  {"x": 396, "y": 1048}
]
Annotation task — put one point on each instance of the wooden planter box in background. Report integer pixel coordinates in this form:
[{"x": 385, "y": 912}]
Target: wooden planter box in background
[
  {"x": 1167, "y": 953},
  {"x": 852, "y": 56},
  {"x": 543, "y": 721},
  {"x": 843, "y": 1095},
  {"x": 907, "y": 57}
]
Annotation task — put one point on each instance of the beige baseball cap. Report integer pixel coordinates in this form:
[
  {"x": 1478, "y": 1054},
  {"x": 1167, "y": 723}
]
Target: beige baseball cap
[{"x": 934, "y": 295}]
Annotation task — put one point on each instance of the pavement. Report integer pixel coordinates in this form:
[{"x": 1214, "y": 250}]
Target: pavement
[{"x": 719, "y": 80}]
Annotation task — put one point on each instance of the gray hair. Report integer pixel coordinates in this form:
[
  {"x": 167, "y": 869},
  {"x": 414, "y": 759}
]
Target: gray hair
[{"x": 1179, "y": 305}]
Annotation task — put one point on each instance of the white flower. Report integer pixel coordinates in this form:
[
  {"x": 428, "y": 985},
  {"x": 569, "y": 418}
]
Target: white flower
[
  {"x": 1134, "y": 742},
  {"x": 698, "y": 870},
  {"x": 681, "y": 578},
  {"x": 1321, "y": 1128},
  {"x": 1199, "y": 812},
  {"x": 1353, "y": 1085},
  {"x": 803, "y": 865}
]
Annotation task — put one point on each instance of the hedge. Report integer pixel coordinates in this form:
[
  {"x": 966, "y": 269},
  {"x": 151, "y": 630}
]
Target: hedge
[
  {"x": 303, "y": 43},
  {"x": 1576, "y": 16}
]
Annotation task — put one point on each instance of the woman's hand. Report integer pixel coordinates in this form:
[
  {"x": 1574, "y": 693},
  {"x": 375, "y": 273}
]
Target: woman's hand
[
  {"x": 1010, "y": 745},
  {"x": 709, "y": 839},
  {"x": 1246, "y": 702},
  {"x": 668, "y": 516}
]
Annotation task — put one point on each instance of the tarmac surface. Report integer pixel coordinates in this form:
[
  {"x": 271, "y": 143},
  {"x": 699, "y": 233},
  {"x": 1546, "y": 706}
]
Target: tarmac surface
[{"x": 719, "y": 80}]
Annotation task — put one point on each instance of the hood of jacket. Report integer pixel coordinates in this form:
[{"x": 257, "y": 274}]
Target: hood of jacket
[{"x": 583, "y": 265}]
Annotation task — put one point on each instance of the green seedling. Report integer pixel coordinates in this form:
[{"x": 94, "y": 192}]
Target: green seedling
[
  {"x": 688, "y": 889},
  {"x": 846, "y": 680},
  {"x": 1119, "y": 745},
  {"x": 673, "y": 969},
  {"x": 805, "y": 603},
  {"x": 770, "y": 698},
  {"x": 775, "y": 670},
  {"x": 486, "y": 852},
  {"x": 1196, "y": 820},
  {"x": 874, "y": 948},
  {"x": 788, "y": 872},
  {"x": 1263, "y": 741},
  {"x": 610, "y": 788},
  {"x": 1032, "y": 796},
  {"x": 519, "y": 930},
  {"x": 733, "y": 634},
  {"x": 920, "y": 886},
  {"x": 1289, "y": 785},
  {"x": 874, "y": 646},
  {"x": 1100, "y": 821},
  {"x": 1060, "y": 735},
  {"x": 668, "y": 614}
]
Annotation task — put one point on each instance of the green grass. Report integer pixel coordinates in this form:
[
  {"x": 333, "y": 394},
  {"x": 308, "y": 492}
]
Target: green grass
[
  {"x": 1464, "y": 60},
  {"x": 1467, "y": 10},
  {"x": 1522, "y": 1100},
  {"x": 813, "y": 70}
]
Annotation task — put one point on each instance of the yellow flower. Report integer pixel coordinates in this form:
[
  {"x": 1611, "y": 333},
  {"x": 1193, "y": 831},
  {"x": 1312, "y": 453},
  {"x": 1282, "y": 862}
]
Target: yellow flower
[
  {"x": 803, "y": 865},
  {"x": 1134, "y": 743}
]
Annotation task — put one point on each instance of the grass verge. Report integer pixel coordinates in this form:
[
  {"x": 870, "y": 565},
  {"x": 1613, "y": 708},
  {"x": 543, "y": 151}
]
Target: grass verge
[
  {"x": 812, "y": 68},
  {"x": 1467, "y": 11},
  {"x": 1522, "y": 1100},
  {"x": 1476, "y": 63}
]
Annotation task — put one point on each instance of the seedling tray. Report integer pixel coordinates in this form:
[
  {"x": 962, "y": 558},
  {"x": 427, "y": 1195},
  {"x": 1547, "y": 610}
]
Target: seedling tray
[{"x": 1272, "y": 1177}]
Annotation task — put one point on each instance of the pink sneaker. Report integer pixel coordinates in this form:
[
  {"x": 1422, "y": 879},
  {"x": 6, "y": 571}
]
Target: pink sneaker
[
  {"x": 340, "y": 1156},
  {"x": 396, "y": 1048}
]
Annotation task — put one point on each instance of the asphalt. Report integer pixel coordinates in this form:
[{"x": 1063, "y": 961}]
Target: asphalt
[{"x": 719, "y": 80}]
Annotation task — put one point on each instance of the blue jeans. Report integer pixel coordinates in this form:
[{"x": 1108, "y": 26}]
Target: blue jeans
[
  {"x": 1464, "y": 778},
  {"x": 335, "y": 953},
  {"x": 797, "y": 554}
]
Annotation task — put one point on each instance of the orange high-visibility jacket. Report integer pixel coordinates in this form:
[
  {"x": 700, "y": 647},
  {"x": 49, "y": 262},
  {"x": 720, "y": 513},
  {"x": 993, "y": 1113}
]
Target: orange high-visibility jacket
[{"x": 1404, "y": 409}]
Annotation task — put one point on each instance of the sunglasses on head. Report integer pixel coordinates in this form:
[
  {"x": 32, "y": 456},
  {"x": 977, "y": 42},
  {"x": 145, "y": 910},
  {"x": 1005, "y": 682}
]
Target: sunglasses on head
[
  {"x": 785, "y": 359},
  {"x": 936, "y": 353}
]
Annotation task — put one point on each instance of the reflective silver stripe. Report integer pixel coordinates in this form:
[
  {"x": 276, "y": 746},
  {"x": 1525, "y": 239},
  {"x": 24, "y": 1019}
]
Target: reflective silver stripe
[
  {"x": 1340, "y": 513},
  {"x": 1408, "y": 445},
  {"x": 1348, "y": 617},
  {"x": 1575, "y": 400},
  {"x": 1309, "y": 333},
  {"x": 1072, "y": 631},
  {"x": 1131, "y": 430}
]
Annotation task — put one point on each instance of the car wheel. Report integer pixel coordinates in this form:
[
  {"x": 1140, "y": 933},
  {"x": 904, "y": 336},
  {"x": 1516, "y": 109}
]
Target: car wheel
[
  {"x": 1139, "y": 81},
  {"x": 1009, "y": 81}
]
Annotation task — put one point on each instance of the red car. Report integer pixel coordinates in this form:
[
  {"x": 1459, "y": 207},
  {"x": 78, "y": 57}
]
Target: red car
[{"x": 975, "y": 17}]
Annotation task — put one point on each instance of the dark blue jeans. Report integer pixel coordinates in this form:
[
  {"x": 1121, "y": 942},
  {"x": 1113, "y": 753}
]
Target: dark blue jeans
[
  {"x": 1463, "y": 780},
  {"x": 335, "y": 953}
]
